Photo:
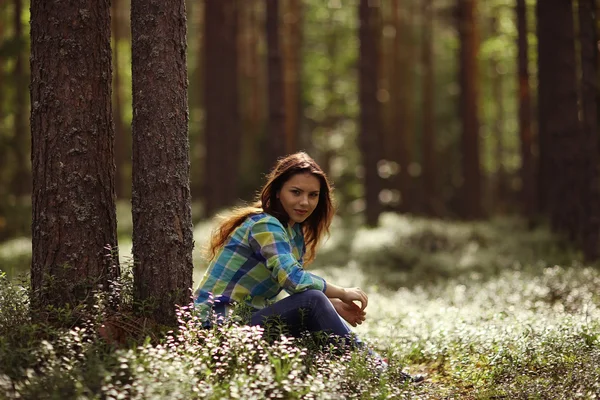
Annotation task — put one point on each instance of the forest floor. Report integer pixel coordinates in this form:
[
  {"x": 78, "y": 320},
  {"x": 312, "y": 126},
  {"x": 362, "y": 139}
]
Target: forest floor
[{"x": 486, "y": 310}]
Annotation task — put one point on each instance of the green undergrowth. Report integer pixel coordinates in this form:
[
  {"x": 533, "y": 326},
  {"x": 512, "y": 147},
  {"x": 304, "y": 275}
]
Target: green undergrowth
[{"x": 485, "y": 310}]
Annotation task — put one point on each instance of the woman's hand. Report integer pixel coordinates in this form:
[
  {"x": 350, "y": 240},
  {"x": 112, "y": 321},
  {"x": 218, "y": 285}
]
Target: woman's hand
[
  {"x": 355, "y": 294},
  {"x": 350, "y": 312}
]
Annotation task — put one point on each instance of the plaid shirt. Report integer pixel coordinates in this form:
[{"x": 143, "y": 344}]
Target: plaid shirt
[{"x": 259, "y": 259}]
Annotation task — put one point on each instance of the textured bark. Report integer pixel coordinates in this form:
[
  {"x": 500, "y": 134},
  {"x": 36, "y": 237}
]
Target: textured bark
[
  {"x": 292, "y": 49},
  {"x": 222, "y": 128},
  {"x": 430, "y": 195},
  {"x": 122, "y": 189},
  {"x": 528, "y": 190},
  {"x": 559, "y": 125},
  {"x": 161, "y": 209},
  {"x": 276, "y": 124},
  {"x": 469, "y": 49},
  {"x": 590, "y": 190},
  {"x": 370, "y": 135},
  {"x": 72, "y": 150},
  {"x": 21, "y": 184}
]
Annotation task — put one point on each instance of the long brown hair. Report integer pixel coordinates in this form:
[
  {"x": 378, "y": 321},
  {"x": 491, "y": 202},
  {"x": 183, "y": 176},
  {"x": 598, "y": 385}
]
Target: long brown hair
[{"x": 314, "y": 227}]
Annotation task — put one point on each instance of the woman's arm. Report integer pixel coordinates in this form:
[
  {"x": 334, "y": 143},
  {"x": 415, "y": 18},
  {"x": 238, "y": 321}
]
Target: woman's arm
[
  {"x": 350, "y": 312},
  {"x": 347, "y": 295}
]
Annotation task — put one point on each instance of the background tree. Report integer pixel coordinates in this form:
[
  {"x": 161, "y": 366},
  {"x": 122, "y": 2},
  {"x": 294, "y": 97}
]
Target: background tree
[
  {"x": 370, "y": 115},
  {"x": 161, "y": 201},
  {"x": 276, "y": 139},
  {"x": 469, "y": 48},
  {"x": 72, "y": 151},
  {"x": 222, "y": 124}
]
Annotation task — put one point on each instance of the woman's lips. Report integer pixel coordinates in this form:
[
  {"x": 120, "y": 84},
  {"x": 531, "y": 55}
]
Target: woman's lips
[{"x": 301, "y": 212}]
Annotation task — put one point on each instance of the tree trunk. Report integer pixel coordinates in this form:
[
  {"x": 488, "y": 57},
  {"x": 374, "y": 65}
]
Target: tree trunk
[
  {"x": 121, "y": 152},
  {"x": 277, "y": 122},
  {"x": 501, "y": 185},
  {"x": 161, "y": 209},
  {"x": 590, "y": 193},
  {"x": 370, "y": 135},
  {"x": 528, "y": 189},
  {"x": 222, "y": 130},
  {"x": 559, "y": 125},
  {"x": 72, "y": 151},
  {"x": 429, "y": 172},
  {"x": 22, "y": 177},
  {"x": 292, "y": 49},
  {"x": 469, "y": 49}
]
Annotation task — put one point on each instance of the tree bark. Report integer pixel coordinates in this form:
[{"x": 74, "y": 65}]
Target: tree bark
[
  {"x": 277, "y": 117},
  {"x": 22, "y": 177},
  {"x": 429, "y": 172},
  {"x": 370, "y": 135},
  {"x": 72, "y": 151},
  {"x": 590, "y": 190},
  {"x": 469, "y": 49},
  {"x": 501, "y": 185},
  {"x": 559, "y": 125},
  {"x": 161, "y": 203},
  {"x": 222, "y": 130},
  {"x": 528, "y": 189}
]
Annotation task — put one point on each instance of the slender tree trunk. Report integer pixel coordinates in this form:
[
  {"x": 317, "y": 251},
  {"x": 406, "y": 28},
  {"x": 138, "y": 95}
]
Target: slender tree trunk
[
  {"x": 429, "y": 170},
  {"x": 293, "y": 39},
  {"x": 370, "y": 135},
  {"x": 74, "y": 215},
  {"x": 590, "y": 193},
  {"x": 222, "y": 130},
  {"x": 559, "y": 125},
  {"x": 120, "y": 130},
  {"x": 528, "y": 189},
  {"x": 161, "y": 202},
  {"x": 277, "y": 117},
  {"x": 501, "y": 185},
  {"x": 469, "y": 49},
  {"x": 22, "y": 177}
]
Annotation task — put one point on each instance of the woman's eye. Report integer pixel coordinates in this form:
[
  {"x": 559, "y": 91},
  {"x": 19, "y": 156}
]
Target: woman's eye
[
  {"x": 313, "y": 195},
  {"x": 296, "y": 192}
]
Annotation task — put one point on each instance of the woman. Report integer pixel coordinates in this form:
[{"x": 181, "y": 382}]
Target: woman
[{"x": 259, "y": 251}]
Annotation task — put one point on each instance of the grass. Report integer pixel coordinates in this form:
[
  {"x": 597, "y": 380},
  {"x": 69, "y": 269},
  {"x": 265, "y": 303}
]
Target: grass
[{"x": 486, "y": 310}]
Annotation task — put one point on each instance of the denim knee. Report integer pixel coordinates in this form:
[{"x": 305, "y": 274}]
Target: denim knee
[{"x": 315, "y": 296}]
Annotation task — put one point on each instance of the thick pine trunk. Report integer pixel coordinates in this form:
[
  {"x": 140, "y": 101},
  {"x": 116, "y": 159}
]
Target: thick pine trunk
[
  {"x": 590, "y": 190},
  {"x": 528, "y": 189},
  {"x": 430, "y": 196},
  {"x": 559, "y": 125},
  {"x": 22, "y": 178},
  {"x": 370, "y": 135},
  {"x": 277, "y": 122},
  {"x": 72, "y": 150},
  {"x": 161, "y": 209},
  {"x": 222, "y": 129},
  {"x": 469, "y": 49}
]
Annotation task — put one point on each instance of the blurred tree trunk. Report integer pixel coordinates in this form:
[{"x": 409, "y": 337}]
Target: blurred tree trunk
[
  {"x": 501, "y": 183},
  {"x": 370, "y": 136},
  {"x": 277, "y": 117},
  {"x": 72, "y": 151},
  {"x": 292, "y": 36},
  {"x": 559, "y": 125},
  {"x": 528, "y": 189},
  {"x": 21, "y": 184},
  {"x": 590, "y": 193},
  {"x": 401, "y": 129},
  {"x": 221, "y": 99},
  {"x": 430, "y": 194},
  {"x": 469, "y": 78},
  {"x": 161, "y": 201},
  {"x": 121, "y": 152}
]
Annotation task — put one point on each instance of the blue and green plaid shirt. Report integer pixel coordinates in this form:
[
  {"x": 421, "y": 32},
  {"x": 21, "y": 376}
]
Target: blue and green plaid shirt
[{"x": 259, "y": 259}]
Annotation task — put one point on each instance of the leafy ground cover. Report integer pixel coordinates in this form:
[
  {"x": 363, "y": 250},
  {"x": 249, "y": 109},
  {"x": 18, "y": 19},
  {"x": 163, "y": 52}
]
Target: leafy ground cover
[{"x": 486, "y": 310}]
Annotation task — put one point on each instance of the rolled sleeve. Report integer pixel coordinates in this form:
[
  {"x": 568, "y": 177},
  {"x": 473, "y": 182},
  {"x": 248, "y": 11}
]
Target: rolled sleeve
[{"x": 269, "y": 239}]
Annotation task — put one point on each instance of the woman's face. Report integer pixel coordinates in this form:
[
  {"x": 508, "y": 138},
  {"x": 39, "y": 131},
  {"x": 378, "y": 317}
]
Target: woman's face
[{"x": 299, "y": 196}]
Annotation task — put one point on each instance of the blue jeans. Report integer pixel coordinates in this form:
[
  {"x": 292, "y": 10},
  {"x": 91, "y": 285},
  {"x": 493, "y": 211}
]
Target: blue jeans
[{"x": 306, "y": 311}]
